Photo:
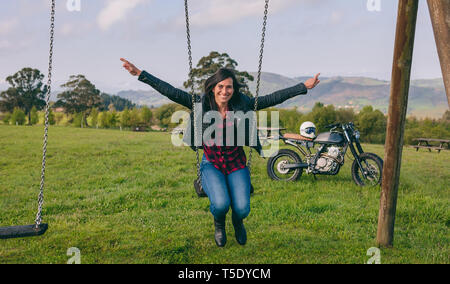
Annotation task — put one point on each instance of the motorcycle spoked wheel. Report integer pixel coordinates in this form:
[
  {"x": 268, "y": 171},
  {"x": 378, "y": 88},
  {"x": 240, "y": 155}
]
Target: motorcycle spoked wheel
[
  {"x": 372, "y": 165},
  {"x": 275, "y": 165}
]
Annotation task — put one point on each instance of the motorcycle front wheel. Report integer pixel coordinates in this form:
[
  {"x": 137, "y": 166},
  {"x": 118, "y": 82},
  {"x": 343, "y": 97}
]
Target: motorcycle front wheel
[
  {"x": 372, "y": 166},
  {"x": 275, "y": 166}
]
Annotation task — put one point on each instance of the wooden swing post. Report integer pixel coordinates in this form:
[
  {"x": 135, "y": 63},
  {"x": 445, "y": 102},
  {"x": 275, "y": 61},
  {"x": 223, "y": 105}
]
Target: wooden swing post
[
  {"x": 401, "y": 74},
  {"x": 440, "y": 18}
]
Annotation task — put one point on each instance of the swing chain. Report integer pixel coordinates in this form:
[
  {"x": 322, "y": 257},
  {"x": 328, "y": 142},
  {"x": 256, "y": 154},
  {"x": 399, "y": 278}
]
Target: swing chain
[
  {"x": 191, "y": 75},
  {"x": 44, "y": 150},
  {"x": 258, "y": 80}
]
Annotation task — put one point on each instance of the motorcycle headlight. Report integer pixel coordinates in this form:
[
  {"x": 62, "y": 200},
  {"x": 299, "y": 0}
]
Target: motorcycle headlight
[{"x": 357, "y": 134}]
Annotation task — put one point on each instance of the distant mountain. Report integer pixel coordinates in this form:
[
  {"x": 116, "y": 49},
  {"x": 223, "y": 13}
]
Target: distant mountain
[
  {"x": 427, "y": 97},
  {"x": 148, "y": 98}
]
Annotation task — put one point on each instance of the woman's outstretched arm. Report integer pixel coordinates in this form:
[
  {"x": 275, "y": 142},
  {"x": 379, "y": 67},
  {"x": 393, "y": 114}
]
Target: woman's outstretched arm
[
  {"x": 283, "y": 95},
  {"x": 174, "y": 94}
]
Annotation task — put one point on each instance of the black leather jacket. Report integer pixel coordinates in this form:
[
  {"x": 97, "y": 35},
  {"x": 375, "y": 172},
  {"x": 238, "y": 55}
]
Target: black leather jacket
[{"x": 243, "y": 103}]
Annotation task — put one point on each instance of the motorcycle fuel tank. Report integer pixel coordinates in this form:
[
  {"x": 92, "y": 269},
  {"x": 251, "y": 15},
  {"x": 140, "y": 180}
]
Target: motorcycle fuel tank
[{"x": 329, "y": 138}]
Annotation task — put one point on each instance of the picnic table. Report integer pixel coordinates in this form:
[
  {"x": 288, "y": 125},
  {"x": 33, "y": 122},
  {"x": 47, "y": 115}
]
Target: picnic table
[{"x": 431, "y": 144}]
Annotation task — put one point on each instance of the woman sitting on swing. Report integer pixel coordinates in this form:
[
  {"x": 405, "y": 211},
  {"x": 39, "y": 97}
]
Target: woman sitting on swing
[{"x": 225, "y": 177}]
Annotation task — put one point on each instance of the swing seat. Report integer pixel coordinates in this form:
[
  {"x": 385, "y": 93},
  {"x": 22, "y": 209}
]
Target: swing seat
[
  {"x": 199, "y": 189},
  {"x": 201, "y": 193},
  {"x": 22, "y": 231}
]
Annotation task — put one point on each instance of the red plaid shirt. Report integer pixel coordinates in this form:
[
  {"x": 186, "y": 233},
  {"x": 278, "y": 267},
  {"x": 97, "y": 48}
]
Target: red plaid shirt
[{"x": 226, "y": 159}]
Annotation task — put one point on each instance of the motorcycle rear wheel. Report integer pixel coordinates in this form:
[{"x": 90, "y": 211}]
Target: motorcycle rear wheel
[
  {"x": 373, "y": 167},
  {"x": 275, "y": 165}
]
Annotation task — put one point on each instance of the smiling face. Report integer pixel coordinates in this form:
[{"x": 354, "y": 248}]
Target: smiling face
[{"x": 223, "y": 92}]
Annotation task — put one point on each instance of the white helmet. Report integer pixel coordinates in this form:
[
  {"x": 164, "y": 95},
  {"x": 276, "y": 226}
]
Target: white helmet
[{"x": 308, "y": 129}]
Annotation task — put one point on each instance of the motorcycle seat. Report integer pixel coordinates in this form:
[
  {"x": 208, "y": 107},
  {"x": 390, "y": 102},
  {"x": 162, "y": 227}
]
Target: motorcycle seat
[{"x": 298, "y": 137}]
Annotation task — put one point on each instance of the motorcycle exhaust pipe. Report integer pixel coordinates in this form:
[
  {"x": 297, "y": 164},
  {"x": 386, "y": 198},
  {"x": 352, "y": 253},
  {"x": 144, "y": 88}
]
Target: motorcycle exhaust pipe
[{"x": 295, "y": 166}]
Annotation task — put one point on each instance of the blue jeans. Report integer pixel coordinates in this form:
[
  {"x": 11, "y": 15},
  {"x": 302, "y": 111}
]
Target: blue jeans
[{"x": 226, "y": 190}]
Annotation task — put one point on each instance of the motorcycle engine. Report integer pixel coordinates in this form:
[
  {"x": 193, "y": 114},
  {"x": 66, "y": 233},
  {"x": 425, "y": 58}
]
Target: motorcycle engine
[
  {"x": 334, "y": 152},
  {"x": 329, "y": 162}
]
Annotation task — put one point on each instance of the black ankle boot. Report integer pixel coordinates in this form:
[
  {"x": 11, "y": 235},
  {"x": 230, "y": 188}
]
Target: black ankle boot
[
  {"x": 239, "y": 231},
  {"x": 220, "y": 236}
]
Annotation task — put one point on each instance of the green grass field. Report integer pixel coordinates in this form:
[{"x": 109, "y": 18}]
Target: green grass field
[{"x": 124, "y": 197}]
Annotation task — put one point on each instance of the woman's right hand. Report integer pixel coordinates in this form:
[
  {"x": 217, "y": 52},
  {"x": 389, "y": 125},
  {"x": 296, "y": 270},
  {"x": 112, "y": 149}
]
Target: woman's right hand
[
  {"x": 130, "y": 67},
  {"x": 313, "y": 82}
]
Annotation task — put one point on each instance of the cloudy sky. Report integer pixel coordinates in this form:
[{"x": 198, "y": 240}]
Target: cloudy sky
[{"x": 303, "y": 37}]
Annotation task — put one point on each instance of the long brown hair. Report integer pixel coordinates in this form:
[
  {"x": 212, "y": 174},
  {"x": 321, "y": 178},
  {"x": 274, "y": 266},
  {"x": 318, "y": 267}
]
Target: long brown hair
[{"x": 219, "y": 76}]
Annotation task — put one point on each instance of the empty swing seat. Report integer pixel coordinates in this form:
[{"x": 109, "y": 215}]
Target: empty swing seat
[{"x": 22, "y": 231}]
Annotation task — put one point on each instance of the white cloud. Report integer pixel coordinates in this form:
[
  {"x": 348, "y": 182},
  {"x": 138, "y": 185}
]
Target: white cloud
[
  {"x": 7, "y": 26},
  {"x": 223, "y": 12},
  {"x": 115, "y": 11},
  {"x": 336, "y": 17},
  {"x": 4, "y": 44},
  {"x": 67, "y": 29},
  {"x": 75, "y": 29},
  {"x": 16, "y": 45}
]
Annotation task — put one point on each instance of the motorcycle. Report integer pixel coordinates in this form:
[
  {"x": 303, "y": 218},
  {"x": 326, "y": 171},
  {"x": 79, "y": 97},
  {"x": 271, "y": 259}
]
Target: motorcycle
[{"x": 324, "y": 155}]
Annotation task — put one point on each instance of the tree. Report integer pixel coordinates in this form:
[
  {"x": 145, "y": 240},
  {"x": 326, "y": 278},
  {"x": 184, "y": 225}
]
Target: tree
[
  {"x": 119, "y": 103},
  {"x": 18, "y": 117},
  {"x": 6, "y": 118},
  {"x": 51, "y": 117},
  {"x": 10, "y": 99},
  {"x": 77, "y": 120},
  {"x": 146, "y": 115},
  {"x": 26, "y": 91},
  {"x": 372, "y": 125},
  {"x": 164, "y": 114},
  {"x": 446, "y": 116},
  {"x": 125, "y": 118},
  {"x": 58, "y": 117},
  {"x": 321, "y": 116},
  {"x": 111, "y": 108},
  {"x": 427, "y": 128},
  {"x": 113, "y": 118},
  {"x": 344, "y": 115},
  {"x": 33, "y": 116},
  {"x": 94, "y": 117},
  {"x": 134, "y": 117},
  {"x": 103, "y": 120},
  {"x": 80, "y": 97},
  {"x": 108, "y": 119},
  {"x": 289, "y": 119},
  {"x": 208, "y": 65}
]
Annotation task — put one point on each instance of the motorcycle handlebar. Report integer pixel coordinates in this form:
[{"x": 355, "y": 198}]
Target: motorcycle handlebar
[
  {"x": 333, "y": 125},
  {"x": 350, "y": 124}
]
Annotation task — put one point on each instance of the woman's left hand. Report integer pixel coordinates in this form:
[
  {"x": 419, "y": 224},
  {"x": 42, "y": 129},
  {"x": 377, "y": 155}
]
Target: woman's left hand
[{"x": 311, "y": 83}]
